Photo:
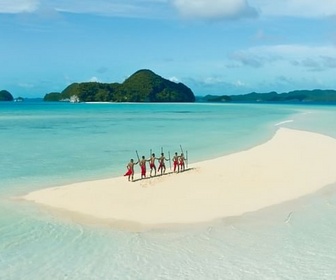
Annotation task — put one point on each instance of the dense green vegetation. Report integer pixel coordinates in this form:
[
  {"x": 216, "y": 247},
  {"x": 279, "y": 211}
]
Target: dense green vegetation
[
  {"x": 214, "y": 98},
  {"x": 316, "y": 95},
  {"x": 5, "y": 96},
  {"x": 142, "y": 86}
]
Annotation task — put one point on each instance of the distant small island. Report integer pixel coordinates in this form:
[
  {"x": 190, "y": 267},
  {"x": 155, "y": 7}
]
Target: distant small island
[
  {"x": 143, "y": 86},
  {"x": 316, "y": 95},
  {"x": 6, "y": 96}
]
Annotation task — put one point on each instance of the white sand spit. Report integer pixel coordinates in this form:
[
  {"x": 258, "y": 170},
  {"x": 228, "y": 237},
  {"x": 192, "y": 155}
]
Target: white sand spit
[{"x": 292, "y": 164}]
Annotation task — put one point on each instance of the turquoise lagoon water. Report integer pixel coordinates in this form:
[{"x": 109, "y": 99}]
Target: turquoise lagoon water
[{"x": 48, "y": 144}]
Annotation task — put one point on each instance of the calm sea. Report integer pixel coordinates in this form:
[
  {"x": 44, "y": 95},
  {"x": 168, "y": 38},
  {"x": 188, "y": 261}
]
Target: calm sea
[{"x": 49, "y": 144}]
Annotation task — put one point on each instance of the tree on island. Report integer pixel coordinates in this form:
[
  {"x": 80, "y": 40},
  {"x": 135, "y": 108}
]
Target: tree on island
[{"x": 5, "y": 96}]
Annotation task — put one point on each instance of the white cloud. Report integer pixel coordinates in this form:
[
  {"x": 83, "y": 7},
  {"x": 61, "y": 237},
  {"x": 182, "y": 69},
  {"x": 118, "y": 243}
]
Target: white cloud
[
  {"x": 214, "y": 9},
  {"x": 94, "y": 79},
  {"x": 203, "y": 9},
  {"x": 214, "y": 80},
  {"x": 95, "y": 7},
  {"x": 248, "y": 58},
  {"x": 26, "y": 85},
  {"x": 317, "y": 58},
  {"x": 123, "y": 8},
  {"x": 174, "y": 79},
  {"x": 296, "y": 8},
  {"x": 18, "y": 6},
  {"x": 319, "y": 63},
  {"x": 239, "y": 83}
]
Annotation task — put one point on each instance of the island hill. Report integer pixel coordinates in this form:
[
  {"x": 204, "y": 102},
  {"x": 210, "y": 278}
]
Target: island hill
[
  {"x": 142, "y": 86},
  {"x": 6, "y": 96},
  {"x": 316, "y": 95}
]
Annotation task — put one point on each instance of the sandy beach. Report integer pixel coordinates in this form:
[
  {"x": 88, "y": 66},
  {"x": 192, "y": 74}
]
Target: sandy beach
[{"x": 290, "y": 165}]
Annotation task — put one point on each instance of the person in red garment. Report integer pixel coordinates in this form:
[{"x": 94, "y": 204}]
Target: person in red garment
[
  {"x": 152, "y": 164},
  {"x": 162, "y": 165},
  {"x": 182, "y": 162},
  {"x": 176, "y": 163},
  {"x": 143, "y": 166},
  {"x": 130, "y": 170}
]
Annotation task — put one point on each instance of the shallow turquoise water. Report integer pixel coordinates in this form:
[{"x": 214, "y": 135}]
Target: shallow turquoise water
[{"x": 46, "y": 144}]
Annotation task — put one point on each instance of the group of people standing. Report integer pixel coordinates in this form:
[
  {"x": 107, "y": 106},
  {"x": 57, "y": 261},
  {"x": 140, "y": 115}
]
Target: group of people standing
[{"x": 178, "y": 165}]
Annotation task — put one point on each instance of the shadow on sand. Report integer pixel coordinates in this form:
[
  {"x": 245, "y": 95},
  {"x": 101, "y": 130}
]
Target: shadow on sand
[{"x": 163, "y": 174}]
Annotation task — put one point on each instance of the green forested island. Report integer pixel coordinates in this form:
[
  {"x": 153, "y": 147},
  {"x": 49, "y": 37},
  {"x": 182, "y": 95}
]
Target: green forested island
[
  {"x": 146, "y": 86},
  {"x": 142, "y": 86},
  {"x": 6, "y": 96},
  {"x": 316, "y": 95}
]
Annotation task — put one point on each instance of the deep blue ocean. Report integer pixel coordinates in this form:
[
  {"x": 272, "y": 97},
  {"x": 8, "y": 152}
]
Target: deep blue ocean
[{"x": 50, "y": 144}]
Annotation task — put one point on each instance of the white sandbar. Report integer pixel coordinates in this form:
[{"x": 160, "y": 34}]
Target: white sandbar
[{"x": 292, "y": 164}]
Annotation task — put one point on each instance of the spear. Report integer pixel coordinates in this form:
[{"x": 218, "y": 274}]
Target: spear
[
  {"x": 138, "y": 156},
  {"x": 187, "y": 159},
  {"x": 181, "y": 149},
  {"x": 169, "y": 161}
]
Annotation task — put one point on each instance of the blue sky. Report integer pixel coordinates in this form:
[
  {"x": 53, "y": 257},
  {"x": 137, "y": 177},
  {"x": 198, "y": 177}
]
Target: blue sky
[{"x": 213, "y": 46}]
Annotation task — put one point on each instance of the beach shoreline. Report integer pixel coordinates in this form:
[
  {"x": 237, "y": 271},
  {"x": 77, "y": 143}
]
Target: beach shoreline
[{"x": 292, "y": 164}]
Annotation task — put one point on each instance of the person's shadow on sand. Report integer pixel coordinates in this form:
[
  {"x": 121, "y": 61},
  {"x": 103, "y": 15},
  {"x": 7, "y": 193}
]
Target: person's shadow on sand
[{"x": 159, "y": 175}]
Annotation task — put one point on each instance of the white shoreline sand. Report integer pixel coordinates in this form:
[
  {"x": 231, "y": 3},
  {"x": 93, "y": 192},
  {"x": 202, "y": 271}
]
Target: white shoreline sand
[{"x": 292, "y": 164}]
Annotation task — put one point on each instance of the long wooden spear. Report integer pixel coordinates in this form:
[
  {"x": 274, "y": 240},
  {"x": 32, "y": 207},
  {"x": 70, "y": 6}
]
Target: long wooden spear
[
  {"x": 181, "y": 149},
  {"x": 138, "y": 156},
  {"x": 169, "y": 160},
  {"x": 187, "y": 159}
]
